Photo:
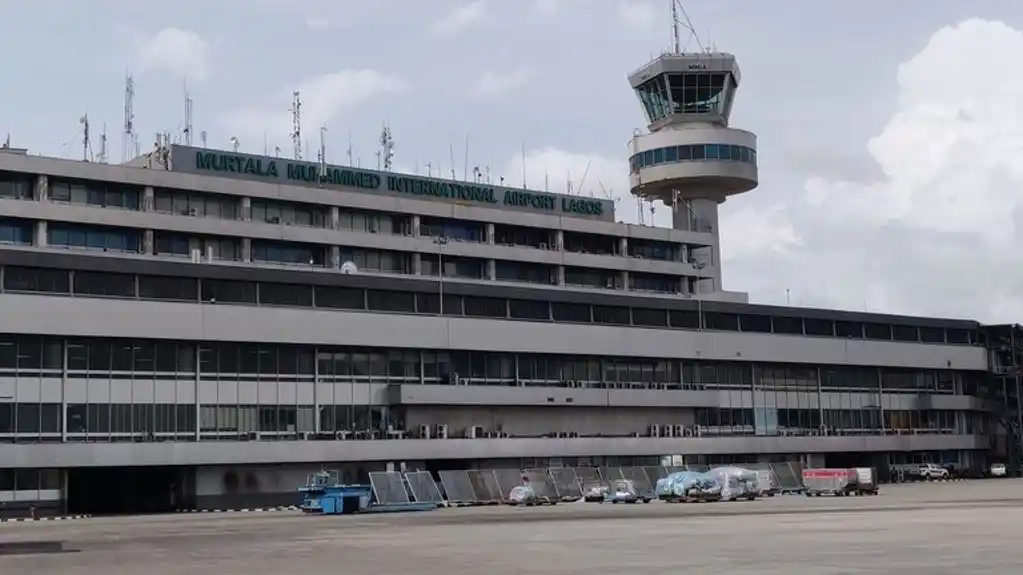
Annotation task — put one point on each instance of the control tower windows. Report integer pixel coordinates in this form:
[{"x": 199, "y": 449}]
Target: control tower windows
[
  {"x": 583, "y": 243},
  {"x": 692, "y": 153},
  {"x": 14, "y": 186},
  {"x": 457, "y": 230},
  {"x": 654, "y": 96},
  {"x": 509, "y": 271},
  {"x": 505, "y": 235},
  {"x": 593, "y": 278},
  {"x": 699, "y": 93}
]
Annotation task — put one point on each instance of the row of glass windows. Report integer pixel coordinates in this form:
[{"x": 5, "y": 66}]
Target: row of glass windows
[
  {"x": 157, "y": 421},
  {"x": 53, "y": 281},
  {"x": 204, "y": 204},
  {"x": 698, "y": 152},
  {"x": 99, "y": 357},
  {"x": 29, "y": 479}
]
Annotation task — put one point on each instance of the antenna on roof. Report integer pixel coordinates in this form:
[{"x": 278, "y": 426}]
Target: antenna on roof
[
  {"x": 451, "y": 152},
  {"x": 321, "y": 156},
  {"x": 102, "y": 157},
  {"x": 523, "y": 164},
  {"x": 187, "y": 132},
  {"x": 387, "y": 147},
  {"x": 465, "y": 165},
  {"x": 7, "y": 141},
  {"x": 582, "y": 180},
  {"x": 296, "y": 121},
  {"x": 202, "y": 138},
  {"x": 86, "y": 144},
  {"x": 349, "y": 151},
  {"x": 129, "y": 140},
  {"x": 235, "y": 144},
  {"x": 677, "y": 9}
]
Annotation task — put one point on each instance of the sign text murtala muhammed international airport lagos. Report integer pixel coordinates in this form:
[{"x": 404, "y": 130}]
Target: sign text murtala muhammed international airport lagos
[{"x": 296, "y": 172}]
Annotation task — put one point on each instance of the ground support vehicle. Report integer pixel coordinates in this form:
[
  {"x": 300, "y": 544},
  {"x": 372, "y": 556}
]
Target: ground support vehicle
[
  {"x": 865, "y": 481},
  {"x": 736, "y": 483},
  {"x": 932, "y": 472},
  {"x": 526, "y": 496},
  {"x": 625, "y": 491},
  {"x": 594, "y": 491},
  {"x": 835, "y": 482}
]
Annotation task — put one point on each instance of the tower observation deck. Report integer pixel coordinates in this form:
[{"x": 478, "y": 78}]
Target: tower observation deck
[{"x": 690, "y": 158}]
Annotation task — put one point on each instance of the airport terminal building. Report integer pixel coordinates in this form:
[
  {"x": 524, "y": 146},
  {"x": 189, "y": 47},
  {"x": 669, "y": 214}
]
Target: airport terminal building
[{"x": 200, "y": 328}]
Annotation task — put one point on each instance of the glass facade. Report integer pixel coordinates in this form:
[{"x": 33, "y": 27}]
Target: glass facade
[
  {"x": 692, "y": 153},
  {"x": 77, "y": 389}
]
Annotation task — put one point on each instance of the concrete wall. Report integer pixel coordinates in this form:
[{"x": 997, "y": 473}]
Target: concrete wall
[
  {"x": 32, "y": 314},
  {"x": 269, "y": 452}
]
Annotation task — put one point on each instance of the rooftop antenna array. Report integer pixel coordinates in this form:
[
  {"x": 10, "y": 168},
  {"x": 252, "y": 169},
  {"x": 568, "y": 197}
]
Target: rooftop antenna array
[
  {"x": 387, "y": 148},
  {"x": 187, "y": 132},
  {"x": 202, "y": 138},
  {"x": 235, "y": 144},
  {"x": 129, "y": 140},
  {"x": 680, "y": 19},
  {"x": 86, "y": 144},
  {"x": 296, "y": 121},
  {"x": 350, "y": 149}
]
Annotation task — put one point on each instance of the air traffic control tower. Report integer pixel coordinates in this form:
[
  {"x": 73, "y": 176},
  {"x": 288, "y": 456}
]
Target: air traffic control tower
[{"x": 690, "y": 158}]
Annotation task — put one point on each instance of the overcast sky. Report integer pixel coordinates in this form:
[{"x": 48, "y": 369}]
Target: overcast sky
[{"x": 890, "y": 133}]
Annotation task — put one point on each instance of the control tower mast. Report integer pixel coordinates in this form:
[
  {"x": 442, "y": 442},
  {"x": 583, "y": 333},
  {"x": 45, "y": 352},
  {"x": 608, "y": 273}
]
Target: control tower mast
[{"x": 690, "y": 158}]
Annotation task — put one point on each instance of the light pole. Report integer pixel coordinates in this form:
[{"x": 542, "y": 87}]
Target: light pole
[
  {"x": 698, "y": 266},
  {"x": 441, "y": 241}
]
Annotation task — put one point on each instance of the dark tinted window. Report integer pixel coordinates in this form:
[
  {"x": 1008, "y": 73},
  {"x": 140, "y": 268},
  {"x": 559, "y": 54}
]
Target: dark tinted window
[
  {"x": 721, "y": 321},
  {"x": 649, "y": 317},
  {"x": 755, "y": 323},
  {"x": 611, "y": 315},
  {"x": 396, "y": 301},
  {"x": 529, "y": 309},
  {"x": 37, "y": 279},
  {"x": 340, "y": 298},
  {"x": 286, "y": 294},
  {"x": 168, "y": 288},
  {"x": 228, "y": 291},
  {"x": 104, "y": 284},
  {"x": 486, "y": 307},
  {"x": 684, "y": 319},
  {"x": 571, "y": 312}
]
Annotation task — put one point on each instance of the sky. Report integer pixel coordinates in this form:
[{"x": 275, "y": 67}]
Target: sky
[{"x": 888, "y": 132}]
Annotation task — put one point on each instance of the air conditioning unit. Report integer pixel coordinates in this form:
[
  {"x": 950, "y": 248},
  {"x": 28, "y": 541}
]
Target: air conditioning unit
[
  {"x": 440, "y": 431},
  {"x": 193, "y": 212},
  {"x": 463, "y": 381},
  {"x": 424, "y": 432},
  {"x": 667, "y": 430},
  {"x": 655, "y": 430},
  {"x": 679, "y": 431},
  {"x": 340, "y": 435},
  {"x": 573, "y": 434},
  {"x": 474, "y": 432},
  {"x": 307, "y": 435},
  {"x": 453, "y": 379},
  {"x": 543, "y": 245}
]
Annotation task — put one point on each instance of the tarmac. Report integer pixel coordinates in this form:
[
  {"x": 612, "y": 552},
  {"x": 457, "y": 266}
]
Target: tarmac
[{"x": 953, "y": 528}]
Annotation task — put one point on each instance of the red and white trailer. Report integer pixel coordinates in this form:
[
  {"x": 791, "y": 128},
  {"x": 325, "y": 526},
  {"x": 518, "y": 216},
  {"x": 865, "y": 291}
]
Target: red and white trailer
[{"x": 829, "y": 481}]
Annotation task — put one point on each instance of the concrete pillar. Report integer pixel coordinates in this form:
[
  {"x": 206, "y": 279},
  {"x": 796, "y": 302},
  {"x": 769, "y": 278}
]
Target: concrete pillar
[
  {"x": 491, "y": 270},
  {"x": 41, "y": 238},
  {"x": 42, "y": 191},
  {"x": 335, "y": 215},
  {"x": 624, "y": 281},
  {"x": 417, "y": 264},
  {"x": 559, "y": 240},
  {"x": 490, "y": 234},
  {"x": 148, "y": 200},
  {"x": 415, "y": 225},
  {"x": 148, "y": 242},
  {"x": 623, "y": 246},
  {"x": 561, "y": 275},
  {"x": 246, "y": 210},
  {"x": 246, "y": 249},
  {"x": 335, "y": 256}
]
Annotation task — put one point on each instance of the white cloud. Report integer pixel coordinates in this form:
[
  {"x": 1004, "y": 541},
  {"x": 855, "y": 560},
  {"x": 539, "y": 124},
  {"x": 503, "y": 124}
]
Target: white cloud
[
  {"x": 461, "y": 18},
  {"x": 180, "y": 52},
  {"x": 636, "y": 13},
  {"x": 323, "y": 98},
  {"x": 938, "y": 231},
  {"x": 317, "y": 23},
  {"x": 491, "y": 84}
]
